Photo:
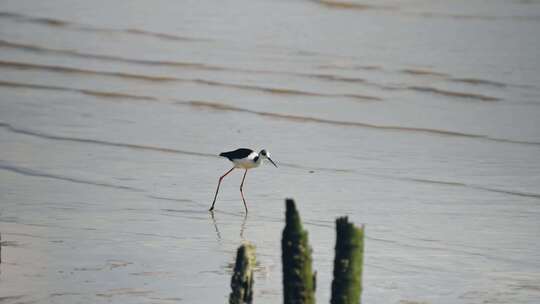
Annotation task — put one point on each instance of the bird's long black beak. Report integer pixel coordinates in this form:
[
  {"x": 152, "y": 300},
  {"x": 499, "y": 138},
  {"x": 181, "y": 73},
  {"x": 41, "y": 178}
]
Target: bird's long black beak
[{"x": 273, "y": 163}]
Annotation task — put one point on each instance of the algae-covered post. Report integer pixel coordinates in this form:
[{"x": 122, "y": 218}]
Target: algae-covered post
[
  {"x": 347, "y": 282},
  {"x": 298, "y": 277},
  {"x": 242, "y": 279}
]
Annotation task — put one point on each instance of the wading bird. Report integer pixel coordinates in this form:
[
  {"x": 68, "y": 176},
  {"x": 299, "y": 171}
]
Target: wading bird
[{"x": 243, "y": 159}]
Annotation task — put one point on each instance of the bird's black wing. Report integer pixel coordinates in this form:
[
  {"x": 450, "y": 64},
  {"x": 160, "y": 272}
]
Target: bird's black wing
[{"x": 236, "y": 154}]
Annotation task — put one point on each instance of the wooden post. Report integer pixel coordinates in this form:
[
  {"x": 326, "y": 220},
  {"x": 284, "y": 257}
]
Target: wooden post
[
  {"x": 242, "y": 279},
  {"x": 347, "y": 282},
  {"x": 298, "y": 278}
]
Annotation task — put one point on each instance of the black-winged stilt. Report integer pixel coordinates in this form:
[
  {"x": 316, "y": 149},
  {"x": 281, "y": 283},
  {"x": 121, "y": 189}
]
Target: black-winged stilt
[{"x": 243, "y": 159}]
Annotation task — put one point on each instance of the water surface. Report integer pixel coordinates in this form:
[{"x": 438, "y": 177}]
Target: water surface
[{"x": 419, "y": 119}]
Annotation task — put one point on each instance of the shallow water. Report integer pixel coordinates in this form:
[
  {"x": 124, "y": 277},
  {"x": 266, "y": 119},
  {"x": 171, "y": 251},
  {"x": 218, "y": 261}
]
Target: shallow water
[{"x": 419, "y": 119}]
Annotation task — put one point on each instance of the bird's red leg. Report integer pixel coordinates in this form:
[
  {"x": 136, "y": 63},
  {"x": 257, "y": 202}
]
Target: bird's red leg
[
  {"x": 242, "y": 192},
  {"x": 217, "y": 190}
]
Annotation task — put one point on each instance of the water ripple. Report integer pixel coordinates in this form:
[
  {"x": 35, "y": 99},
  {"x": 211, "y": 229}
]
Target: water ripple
[
  {"x": 101, "y": 142},
  {"x": 296, "y": 118},
  {"x": 272, "y": 90},
  {"x": 89, "y": 28},
  {"x": 35, "y": 173},
  {"x": 463, "y": 95},
  {"x": 308, "y": 119},
  {"x": 211, "y": 67},
  {"x": 25, "y": 171}
]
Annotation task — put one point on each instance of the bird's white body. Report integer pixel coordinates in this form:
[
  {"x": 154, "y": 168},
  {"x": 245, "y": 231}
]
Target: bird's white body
[{"x": 251, "y": 161}]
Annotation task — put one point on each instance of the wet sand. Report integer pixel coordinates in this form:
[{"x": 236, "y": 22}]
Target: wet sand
[{"x": 418, "y": 119}]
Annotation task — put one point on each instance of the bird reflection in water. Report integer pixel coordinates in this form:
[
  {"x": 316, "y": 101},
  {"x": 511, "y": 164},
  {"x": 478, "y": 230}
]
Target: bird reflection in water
[{"x": 216, "y": 226}]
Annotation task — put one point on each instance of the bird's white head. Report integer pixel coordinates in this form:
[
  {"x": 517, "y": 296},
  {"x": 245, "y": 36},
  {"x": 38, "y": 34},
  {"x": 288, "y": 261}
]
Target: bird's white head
[{"x": 266, "y": 155}]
